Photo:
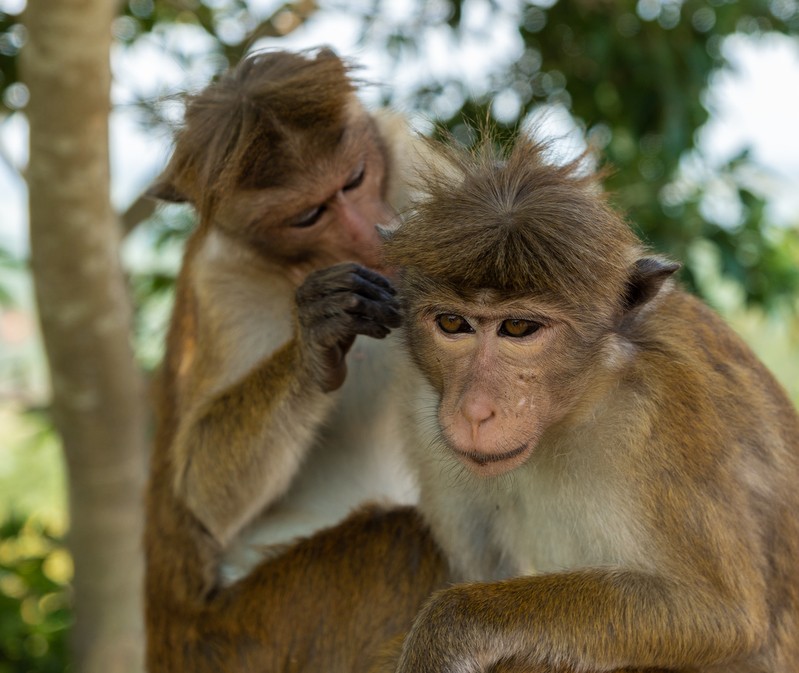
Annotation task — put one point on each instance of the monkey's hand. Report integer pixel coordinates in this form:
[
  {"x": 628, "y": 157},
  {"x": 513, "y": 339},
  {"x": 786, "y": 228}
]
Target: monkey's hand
[
  {"x": 453, "y": 633},
  {"x": 440, "y": 639},
  {"x": 336, "y": 304}
]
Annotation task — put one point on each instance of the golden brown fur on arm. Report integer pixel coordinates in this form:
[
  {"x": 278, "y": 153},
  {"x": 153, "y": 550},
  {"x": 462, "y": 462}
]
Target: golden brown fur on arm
[
  {"x": 236, "y": 419},
  {"x": 582, "y": 620},
  {"x": 249, "y": 399}
]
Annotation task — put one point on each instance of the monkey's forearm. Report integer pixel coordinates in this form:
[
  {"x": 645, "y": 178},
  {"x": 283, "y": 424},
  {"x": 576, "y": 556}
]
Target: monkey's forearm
[
  {"x": 586, "y": 620},
  {"x": 239, "y": 450}
]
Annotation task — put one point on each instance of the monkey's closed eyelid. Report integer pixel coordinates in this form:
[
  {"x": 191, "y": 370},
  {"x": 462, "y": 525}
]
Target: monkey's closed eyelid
[
  {"x": 309, "y": 218},
  {"x": 357, "y": 179}
]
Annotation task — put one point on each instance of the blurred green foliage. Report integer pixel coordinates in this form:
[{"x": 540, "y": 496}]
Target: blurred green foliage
[
  {"x": 8, "y": 262},
  {"x": 12, "y": 37},
  {"x": 34, "y": 598},
  {"x": 35, "y": 568},
  {"x": 642, "y": 77}
]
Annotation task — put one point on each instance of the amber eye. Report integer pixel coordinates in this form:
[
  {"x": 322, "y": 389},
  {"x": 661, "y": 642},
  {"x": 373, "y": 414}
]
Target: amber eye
[
  {"x": 518, "y": 328},
  {"x": 449, "y": 323}
]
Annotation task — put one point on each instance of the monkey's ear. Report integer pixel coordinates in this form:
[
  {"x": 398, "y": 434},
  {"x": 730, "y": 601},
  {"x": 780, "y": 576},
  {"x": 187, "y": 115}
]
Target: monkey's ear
[
  {"x": 164, "y": 190},
  {"x": 646, "y": 278}
]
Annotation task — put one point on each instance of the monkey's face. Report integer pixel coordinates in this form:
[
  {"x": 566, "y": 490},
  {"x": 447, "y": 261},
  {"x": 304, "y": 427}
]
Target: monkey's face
[
  {"x": 329, "y": 212},
  {"x": 501, "y": 374}
]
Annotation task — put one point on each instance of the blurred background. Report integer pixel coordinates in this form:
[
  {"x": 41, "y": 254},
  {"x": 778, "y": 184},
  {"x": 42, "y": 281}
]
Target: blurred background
[{"x": 694, "y": 104}]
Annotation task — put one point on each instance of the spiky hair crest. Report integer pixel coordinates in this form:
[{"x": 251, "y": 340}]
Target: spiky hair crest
[
  {"x": 267, "y": 101},
  {"x": 512, "y": 219}
]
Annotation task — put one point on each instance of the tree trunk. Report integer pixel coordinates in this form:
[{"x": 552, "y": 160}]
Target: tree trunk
[{"x": 85, "y": 312}]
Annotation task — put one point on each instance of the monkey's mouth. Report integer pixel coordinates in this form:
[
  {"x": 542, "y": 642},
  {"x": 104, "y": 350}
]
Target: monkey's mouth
[
  {"x": 486, "y": 458},
  {"x": 492, "y": 463}
]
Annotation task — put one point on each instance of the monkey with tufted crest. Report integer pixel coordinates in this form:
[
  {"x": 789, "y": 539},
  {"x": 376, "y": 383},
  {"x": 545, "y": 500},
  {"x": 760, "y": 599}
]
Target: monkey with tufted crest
[
  {"x": 610, "y": 471},
  {"x": 273, "y": 420}
]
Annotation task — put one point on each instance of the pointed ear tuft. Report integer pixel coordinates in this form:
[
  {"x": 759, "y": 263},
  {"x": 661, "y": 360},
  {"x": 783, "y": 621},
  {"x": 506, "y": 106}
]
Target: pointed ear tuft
[
  {"x": 385, "y": 233},
  {"x": 646, "y": 278}
]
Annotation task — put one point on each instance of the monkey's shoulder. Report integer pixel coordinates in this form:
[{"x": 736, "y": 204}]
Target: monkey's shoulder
[
  {"x": 695, "y": 371},
  {"x": 683, "y": 334}
]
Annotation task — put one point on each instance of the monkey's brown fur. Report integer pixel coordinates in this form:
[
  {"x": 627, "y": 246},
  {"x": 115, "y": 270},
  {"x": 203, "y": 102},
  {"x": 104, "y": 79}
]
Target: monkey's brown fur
[
  {"x": 529, "y": 227},
  {"x": 242, "y": 394},
  {"x": 325, "y": 604},
  {"x": 616, "y": 478},
  {"x": 268, "y": 101}
]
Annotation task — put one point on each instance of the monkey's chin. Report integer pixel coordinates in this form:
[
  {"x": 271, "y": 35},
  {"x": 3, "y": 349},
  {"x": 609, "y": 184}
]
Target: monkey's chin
[{"x": 492, "y": 464}]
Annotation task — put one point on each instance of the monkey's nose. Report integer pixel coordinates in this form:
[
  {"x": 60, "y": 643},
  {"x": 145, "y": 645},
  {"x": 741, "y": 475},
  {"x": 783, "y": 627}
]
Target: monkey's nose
[{"x": 477, "y": 412}]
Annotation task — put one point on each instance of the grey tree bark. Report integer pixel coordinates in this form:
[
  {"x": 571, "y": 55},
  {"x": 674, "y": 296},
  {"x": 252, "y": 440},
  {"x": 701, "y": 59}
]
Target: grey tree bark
[{"x": 98, "y": 400}]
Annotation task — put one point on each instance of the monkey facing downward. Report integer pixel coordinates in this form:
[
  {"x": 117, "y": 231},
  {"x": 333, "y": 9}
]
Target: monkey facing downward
[
  {"x": 609, "y": 470},
  {"x": 289, "y": 175}
]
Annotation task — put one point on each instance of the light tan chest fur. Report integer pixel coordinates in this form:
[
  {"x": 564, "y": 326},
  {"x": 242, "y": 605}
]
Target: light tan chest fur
[
  {"x": 551, "y": 515},
  {"x": 357, "y": 455}
]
